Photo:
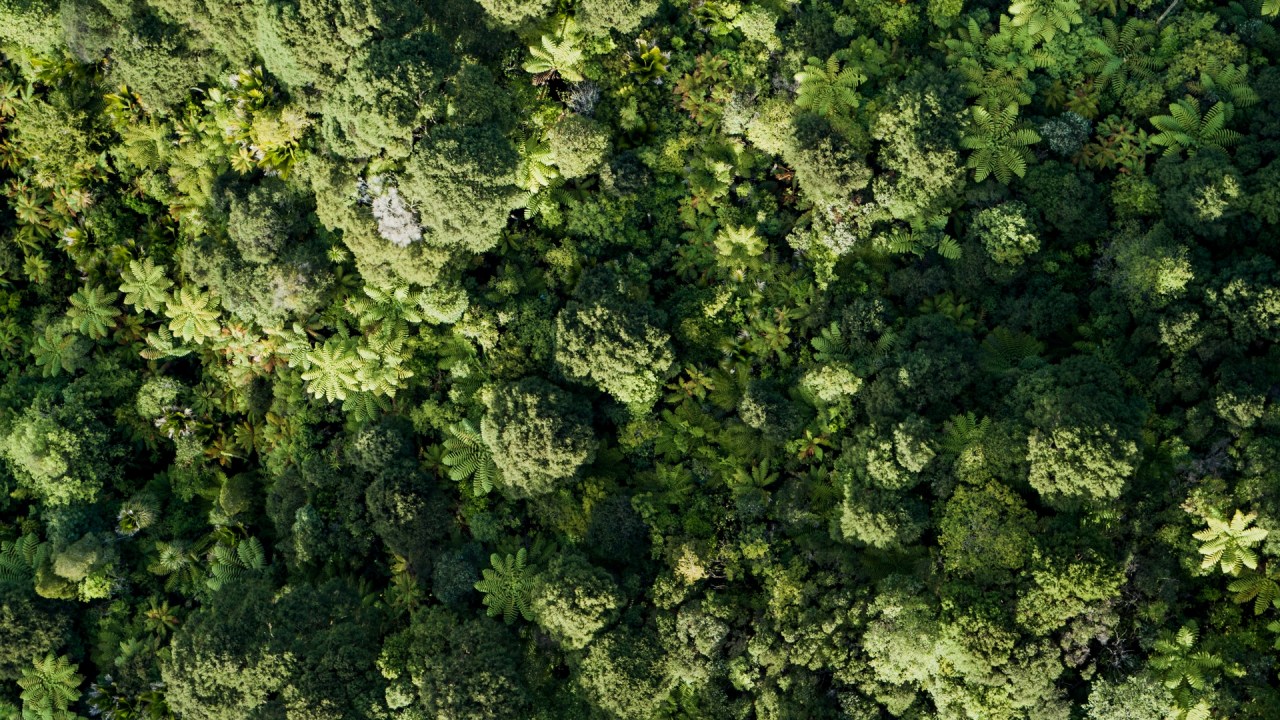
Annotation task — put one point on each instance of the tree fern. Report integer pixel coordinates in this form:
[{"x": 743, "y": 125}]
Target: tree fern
[
  {"x": 1230, "y": 83},
  {"x": 830, "y": 345},
  {"x": 1003, "y": 350},
  {"x": 19, "y": 558},
  {"x": 561, "y": 58},
  {"x": 135, "y": 516},
  {"x": 386, "y": 305},
  {"x": 505, "y": 587},
  {"x": 964, "y": 430},
  {"x": 1197, "y": 709},
  {"x": 179, "y": 564},
  {"x": 1261, "y": 588},
  {"x": 228, "y": 563},
  {"x": 331, "y": 369},
  {"x": 57, "y": 351},
  {"x": 1230, "y": 544},
  {"x": 1179, "y": 664},
  {"x": 829, "y": 88},
  {"x": 363, "y": 406},
  {"x": 1184, "y": 128},
  {"x": 1041, "y": 20},
  {"x": 919, "y": 241},
  {"x": 536, "y": 169},
  {"x": 467, "y": 457},
  {"x": 145, "y": 286},
  {"x": 92, "y": 310},
  {"x": 380, "y": 367},
  {"x": 160, "y": 344},
  {"x": 193, "y": 315},
  {"x": 1000, "y": 143},
  {"x": 145, "y": 144},
  {"x": 996, "y": 87},
  {"x": 49, "y": 687},
  {"x": 1122, "y": 56}
]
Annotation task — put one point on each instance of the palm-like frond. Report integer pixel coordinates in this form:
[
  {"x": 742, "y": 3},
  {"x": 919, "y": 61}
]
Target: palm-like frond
[
  {"x": 562, "y": 58},
  {"x": 145, "y": 144},
  {"x": 999, "y": 142},
  {"x": 1122, "y": 56},
  {"x": 996, "y": 87},
  {"x": 1041, "y": 20},
  {"x": 1004, "y": 349},
  {"x": 332, "y": 369},
  {"x": 19, "y": 558},
  {"x": 1184, "y": 128},
  {"x": 829, "y": 88},
  {"x": 56, "y": 351},
  {"x": 963, "y": 430},
  {"x": 386, "y": 305},
  {"x": 179, "y": 564},
  {"x": 536, "y": 169},
  {"x": 830, "y": 345},
  {"x": 134, "y": 516},
  {"x": 467, "y": 457},
  {"x": 193, "y": 314},
  {"x": 49, "y": 687},
  {"x": 228, "y": 563},
  {"x": 145, "y": 286},
  {"x": 92, "y": 310},
  {"x": 1261, "y": 588},
  {"x": 161, "y": 344},
  {"x": 380, "y": 361},
  {"x": 505, "y": 587},
  {"x": 1230, "y": 544},
  {"x": 1179, "y": 664},
  {"x": 1229, "y": 82}
]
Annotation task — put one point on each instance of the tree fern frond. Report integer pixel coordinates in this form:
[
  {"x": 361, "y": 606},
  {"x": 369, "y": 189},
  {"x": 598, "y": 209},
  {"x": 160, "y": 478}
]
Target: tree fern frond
[
  {"x": 467, "y": 457},
  {"x": 1003, "y": 350},
  {"x": 505, "y": 587},
  {"x": 92, "y": 311},
  {"x": 145, "y": 286},
  {"x": 1261, "y": 588},
  {"x": 1230, "y": 544}
]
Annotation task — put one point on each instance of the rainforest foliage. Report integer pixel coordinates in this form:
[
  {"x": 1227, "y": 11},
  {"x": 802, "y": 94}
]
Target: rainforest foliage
[{"x": 639, "y": 359}]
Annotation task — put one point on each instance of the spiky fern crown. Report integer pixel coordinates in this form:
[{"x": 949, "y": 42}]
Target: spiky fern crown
[
  {"x": 1004, "y": 349},
  {"x": 1000, "y": 143},
  {"x": 228, "y": 563},
  {"x": 55, "y": 350},
  {"x": 562, "y": 58},
  {"x": 145, "y": 286},
  {"x": 49, "y": 687},
  {"x": 331, "y": 369},
  {"x": 92, "y": 310},
  {"x": 467, "y": 457},
  {"x": 506, "y": 587},
  {"x": 1043, "y": 19},
  {"x": 1230, "y": 543},
  {"x": 1123, "y": 54},
  {"x": 193, "y": 314},
  {"x": 830, "y": 87},
  {"x": 1260, "y": 587},
  {"x": 1184, "y": 128},
  {"x": 19, "y": 558}
]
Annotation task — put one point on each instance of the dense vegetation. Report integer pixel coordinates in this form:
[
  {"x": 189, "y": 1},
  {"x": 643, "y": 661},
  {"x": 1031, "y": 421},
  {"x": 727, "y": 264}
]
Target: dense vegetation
[{"x": 812, "y": 359}]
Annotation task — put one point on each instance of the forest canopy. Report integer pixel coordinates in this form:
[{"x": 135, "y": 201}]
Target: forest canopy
[{"x": 640, "y": 359}]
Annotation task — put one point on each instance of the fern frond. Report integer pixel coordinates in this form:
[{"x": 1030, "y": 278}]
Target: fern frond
[
  {"x": 1262, "y": 589},
  {"x": 1003, "y": 350},
  {"x": 505, "y": 587},
  {"x": 467, "y": 457}
]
